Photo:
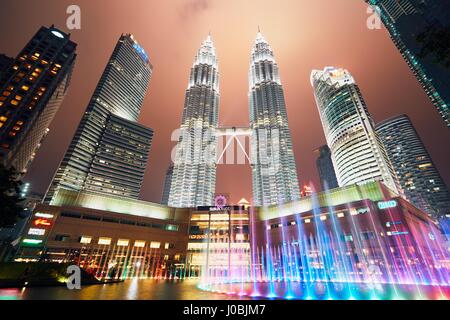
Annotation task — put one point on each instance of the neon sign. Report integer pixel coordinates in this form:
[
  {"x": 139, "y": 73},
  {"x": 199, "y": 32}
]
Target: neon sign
[
  {"x": 387, "y": 204},
  {"x": 42, "y": 222}
]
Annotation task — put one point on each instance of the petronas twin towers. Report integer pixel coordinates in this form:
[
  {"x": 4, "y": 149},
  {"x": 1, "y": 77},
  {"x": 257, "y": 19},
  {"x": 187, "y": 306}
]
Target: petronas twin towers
[{"x": 273, "y": 165}]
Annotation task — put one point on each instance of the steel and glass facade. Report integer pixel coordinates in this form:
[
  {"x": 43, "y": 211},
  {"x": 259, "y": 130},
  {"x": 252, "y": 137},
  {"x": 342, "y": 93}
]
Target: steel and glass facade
[
  {"x": 194, "y": 173},
  {"x": 32, "y": 88},
  {"x": 109, "y": 152},
  {"x": 416, "y": 26},
  {"x": 325, "y": 168},
  {"x": 357, "y": 153},
  {"x": 274, "y": 170},
  {"x": 418, "y": 176}
]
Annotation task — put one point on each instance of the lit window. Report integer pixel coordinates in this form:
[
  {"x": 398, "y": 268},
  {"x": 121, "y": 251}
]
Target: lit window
[
  {"x": 139, "y": 244},
  {"x": 323, "y": 218},
  {"x": 307, "y": 220},
  {"x": 341, "y": 215},
  {"x": 25, "y": 88},
  {"x": 105, "y": 241},
  {"x": 155, "y": 245},
  {"x": 86, "y": 240},
  {"x": 122, "y": 242},
  {"x": 14, "y": 102},
  {"x": 166, "y": 245},
  {"x": 240, "y": 237},
  {"x": 18, "y": 98},
  {"x": 6, "y": 93},
  {"x": 3, "y": 118}
]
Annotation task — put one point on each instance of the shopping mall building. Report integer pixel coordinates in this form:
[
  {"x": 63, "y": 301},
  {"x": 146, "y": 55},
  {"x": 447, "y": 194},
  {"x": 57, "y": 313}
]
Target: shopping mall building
[{"x": 118, "y": 238}]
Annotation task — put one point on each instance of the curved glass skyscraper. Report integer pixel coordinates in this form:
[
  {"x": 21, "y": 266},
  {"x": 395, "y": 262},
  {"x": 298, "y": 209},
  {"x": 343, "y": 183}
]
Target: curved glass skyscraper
[
  {"x": 418, "y": 176},
  {"x": 358, "y": 155},
  {"x": 420, "y": 29},
  {"x": 109, "y": 152},
  {"x": 274, "y": 170},
  {"x": 194, "y": 172}
]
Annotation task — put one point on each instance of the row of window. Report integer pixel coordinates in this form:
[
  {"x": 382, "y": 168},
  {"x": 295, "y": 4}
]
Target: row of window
[
  {"x": 322, "y": 217},
  {"x": 74, "y": 215}
]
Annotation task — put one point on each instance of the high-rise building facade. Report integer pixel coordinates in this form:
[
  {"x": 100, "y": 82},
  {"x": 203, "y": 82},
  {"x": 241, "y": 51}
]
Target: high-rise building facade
[
  {"x": 274, "y": 172},
  {"x": 325, "y": 168},
  {"x": 194, "y": 173},
  {"x": 167, "y": 184},
  {"x": 357, "y": 153},
  {"x": 419, "y": 178},
  {"x": 32, "y": 89},
  {"x": 109, "y": 152},
  {"x": 421, "y": 31}
]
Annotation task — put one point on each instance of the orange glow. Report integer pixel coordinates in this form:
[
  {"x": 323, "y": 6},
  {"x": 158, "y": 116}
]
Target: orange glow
[{"x": 42, "y": 222}]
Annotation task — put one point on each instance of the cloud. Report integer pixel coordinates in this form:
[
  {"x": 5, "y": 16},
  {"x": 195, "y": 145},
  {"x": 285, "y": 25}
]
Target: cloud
[{"x": 193, "y": 8}]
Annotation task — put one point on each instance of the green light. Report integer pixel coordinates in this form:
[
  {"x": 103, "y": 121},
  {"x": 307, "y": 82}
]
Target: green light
[{"x": 32, "y": 241}]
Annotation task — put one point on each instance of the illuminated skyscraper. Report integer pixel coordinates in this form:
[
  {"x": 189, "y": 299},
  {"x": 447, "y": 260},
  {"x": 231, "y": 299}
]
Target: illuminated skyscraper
[
  {"x": 325, "y": 168},
  {"x": 109, "y": 152},
  {"x": 418, "y": 176},
  {"x": 32, "y": 88},
  {"x": 357, "y": 153},
  {"x": 274, "y": 170},
  {"x": 421, "y": 31},
  {"x": 194, "y": 173}
]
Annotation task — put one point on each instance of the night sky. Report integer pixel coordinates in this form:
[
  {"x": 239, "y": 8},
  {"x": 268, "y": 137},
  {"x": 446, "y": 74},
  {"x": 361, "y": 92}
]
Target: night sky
[{"x": 305, "y": 35}]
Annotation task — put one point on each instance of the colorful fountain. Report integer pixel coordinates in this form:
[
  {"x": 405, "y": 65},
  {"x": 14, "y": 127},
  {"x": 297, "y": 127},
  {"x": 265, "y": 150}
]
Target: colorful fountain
[{"x": 365, "y": 249}]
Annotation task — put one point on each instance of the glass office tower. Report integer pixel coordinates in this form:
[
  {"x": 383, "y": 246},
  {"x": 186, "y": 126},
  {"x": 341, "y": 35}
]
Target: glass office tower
[
  {"x": 109, "y": 152},
  {"x": 274, "y": 170},
  {"x": 357, "y": 153},
  {"x": 419, "y": 178},
  {"x": 32, "y": 89},
  {"x": 421, "y": 31}
]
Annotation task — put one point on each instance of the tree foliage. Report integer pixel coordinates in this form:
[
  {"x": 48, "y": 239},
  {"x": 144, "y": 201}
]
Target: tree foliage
[{"x": 10, "y": 200}]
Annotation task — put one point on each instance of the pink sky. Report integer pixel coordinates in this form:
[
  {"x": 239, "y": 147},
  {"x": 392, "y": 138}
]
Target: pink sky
[{"x": 304, "y": 35}]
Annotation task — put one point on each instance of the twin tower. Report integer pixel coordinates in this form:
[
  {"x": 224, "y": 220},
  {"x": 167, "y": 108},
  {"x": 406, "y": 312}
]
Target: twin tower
[{"x": 274, "y": 172}]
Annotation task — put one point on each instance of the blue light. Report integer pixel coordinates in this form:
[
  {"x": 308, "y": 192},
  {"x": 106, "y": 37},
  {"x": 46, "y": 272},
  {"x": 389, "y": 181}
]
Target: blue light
[{"x": 141, "y": 52}]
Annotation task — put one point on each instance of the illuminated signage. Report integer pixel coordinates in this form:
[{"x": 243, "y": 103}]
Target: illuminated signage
[
  {"x": 36, "y": 232},
  {"x": 44, "y": 215},
  {"x": 122, "y": 242},
  {"x": 42, "y": 222},
  {"x": 198, "y": 236},
  {"x": 32, "y": 241},
  {"x": 139, "y": 244},
  {"x": 85, "y": 240},
  {"x": 387, "y": 204},
  {"x": 104, "y": 241},
  {"x": 141, "y": 52}
]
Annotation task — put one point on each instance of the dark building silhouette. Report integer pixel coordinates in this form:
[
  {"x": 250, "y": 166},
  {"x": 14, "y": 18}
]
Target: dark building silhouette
[{"x": 325, "y": 168}]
